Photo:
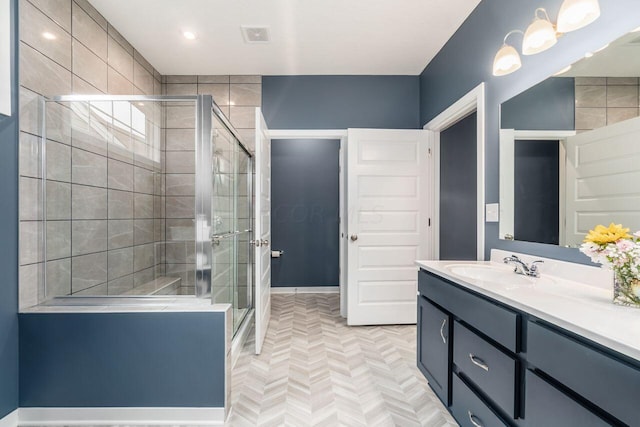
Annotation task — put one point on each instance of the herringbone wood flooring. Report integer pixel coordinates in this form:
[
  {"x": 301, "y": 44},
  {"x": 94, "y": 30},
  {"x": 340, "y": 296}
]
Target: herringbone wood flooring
[{"x": 317, "y": 371}]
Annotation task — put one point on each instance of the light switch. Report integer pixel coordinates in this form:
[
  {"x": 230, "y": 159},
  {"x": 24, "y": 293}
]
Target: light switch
[{"x": 492, "y": 212}]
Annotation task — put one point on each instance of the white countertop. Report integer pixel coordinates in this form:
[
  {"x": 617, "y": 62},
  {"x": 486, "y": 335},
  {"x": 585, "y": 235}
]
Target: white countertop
[{"x": 581, "y": 308}]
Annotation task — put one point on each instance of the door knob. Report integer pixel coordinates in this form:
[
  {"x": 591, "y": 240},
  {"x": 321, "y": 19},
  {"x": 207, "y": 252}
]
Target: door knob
[
  {"x": 256, "y": 243},
  {"x": 265, "y": 243},
  {"x": 354, "y": 237}
]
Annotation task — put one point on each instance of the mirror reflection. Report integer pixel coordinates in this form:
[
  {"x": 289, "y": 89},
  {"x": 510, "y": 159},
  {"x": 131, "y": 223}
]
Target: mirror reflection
[{"x": 570, "y": 150}]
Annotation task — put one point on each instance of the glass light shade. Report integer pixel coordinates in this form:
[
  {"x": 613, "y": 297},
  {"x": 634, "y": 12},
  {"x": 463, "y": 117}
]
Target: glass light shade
[
  {"x": 540, "y": 36},
  {"x": 506, "y": 61},
  {"x": 575, "y": 14}
]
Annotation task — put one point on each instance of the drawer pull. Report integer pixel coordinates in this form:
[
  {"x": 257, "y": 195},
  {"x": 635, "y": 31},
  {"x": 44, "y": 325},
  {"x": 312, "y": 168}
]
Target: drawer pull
[
  {"x": 444, "y": 322},
  {"x": 478, "y": 362},
  {"x": 474, "y": 420}
]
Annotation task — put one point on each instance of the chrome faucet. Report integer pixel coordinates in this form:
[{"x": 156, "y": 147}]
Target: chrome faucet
[{"x": 521, "y": 267}]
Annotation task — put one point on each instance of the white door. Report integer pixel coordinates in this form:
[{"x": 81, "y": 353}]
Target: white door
[
  {"x": 262, "y": 230},
  {"x": 387, "y": 200},
  {"x": 602, "y": 179}
]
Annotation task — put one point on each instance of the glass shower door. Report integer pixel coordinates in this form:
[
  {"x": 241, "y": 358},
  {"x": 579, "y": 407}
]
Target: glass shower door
[{"x": 230, "y": 222}]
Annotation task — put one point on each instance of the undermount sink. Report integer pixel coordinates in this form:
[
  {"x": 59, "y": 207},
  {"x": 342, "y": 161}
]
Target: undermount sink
[{"x": 494, "y": 274}]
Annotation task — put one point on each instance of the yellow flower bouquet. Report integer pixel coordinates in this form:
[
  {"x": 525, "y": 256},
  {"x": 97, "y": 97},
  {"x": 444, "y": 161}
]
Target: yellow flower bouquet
[{"x": 613, "y": 247}]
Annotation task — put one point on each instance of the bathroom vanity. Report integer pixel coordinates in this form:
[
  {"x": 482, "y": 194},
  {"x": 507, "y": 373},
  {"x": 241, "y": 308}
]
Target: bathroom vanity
[{"x": 505, "y": 349}]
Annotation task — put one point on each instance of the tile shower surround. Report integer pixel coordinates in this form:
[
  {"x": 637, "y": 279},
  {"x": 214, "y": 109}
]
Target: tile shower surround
[
  {"x": 89, "y": 56},
  {"x": 603, "y": 101}
]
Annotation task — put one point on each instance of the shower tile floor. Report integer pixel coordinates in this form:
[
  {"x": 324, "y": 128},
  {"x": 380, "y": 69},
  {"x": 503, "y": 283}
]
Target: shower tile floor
[{"x": 317, "y": 371}]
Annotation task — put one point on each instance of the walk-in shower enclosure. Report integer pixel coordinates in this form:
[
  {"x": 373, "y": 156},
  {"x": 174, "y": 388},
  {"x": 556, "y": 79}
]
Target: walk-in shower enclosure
[{"x": 144, "y": 195}]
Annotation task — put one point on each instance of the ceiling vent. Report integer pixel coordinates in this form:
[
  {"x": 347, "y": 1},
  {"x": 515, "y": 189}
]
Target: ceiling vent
[{"x": 253, "y": 34}]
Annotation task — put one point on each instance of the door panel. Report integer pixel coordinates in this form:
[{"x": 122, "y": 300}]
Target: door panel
[
  {"x": 433, "y": 347},
  {"x": 262, "y": 231},
  {"x": 387, "y": 198},
  {"x": 602, "y": 179}
]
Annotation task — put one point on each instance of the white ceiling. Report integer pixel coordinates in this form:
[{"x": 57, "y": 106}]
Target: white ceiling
[
  {"x": 307, "y": 36},
  {"x": 620, "y": 59}
]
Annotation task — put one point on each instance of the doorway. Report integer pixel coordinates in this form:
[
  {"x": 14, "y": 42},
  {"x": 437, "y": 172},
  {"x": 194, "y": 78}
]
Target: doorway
[
  {"x": 472, "y": 104},
  {"x": 305, "y": 214},
  {"x": 458, "y": 190}
]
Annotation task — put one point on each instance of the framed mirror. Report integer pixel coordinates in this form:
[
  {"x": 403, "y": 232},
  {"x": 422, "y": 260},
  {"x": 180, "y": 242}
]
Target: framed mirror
[{"x": 570, "y": 150}]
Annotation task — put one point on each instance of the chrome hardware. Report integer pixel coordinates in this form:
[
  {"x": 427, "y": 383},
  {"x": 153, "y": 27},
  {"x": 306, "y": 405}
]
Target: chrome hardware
[
  {"x": 533, "y": 268},
  {"x": 508, "y": 236},
  {"x": 521, "y": 267},
  {"x": 264, "y": 243},
  {"x": 256, "y": 243},
  {"x": 444, "y": 322},
  {"x": 478, "y": 362},
  {"x": 473, "y": 419},
  {"x": 354, "y": 237}
]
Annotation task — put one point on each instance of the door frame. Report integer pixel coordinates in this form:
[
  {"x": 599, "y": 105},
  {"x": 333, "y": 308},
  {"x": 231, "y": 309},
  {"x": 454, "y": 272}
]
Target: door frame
[
  {"x": 474, "y": 101},
  {"x": 341, "y": 135},
  {"x": 539, "y": 135}
]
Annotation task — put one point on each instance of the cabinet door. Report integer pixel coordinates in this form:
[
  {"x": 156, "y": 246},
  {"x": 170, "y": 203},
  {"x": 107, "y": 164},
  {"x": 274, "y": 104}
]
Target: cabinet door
[{"x": 434, "y": 328}]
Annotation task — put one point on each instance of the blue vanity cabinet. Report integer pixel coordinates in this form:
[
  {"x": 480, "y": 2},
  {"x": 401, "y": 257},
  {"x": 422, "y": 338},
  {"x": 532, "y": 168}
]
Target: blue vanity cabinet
[
  {"x": 503, "y": 366},
  {"x": 434, "y": 347}
]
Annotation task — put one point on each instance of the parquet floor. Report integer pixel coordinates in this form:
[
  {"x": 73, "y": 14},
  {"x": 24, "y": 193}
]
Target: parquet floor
[{"x": 317, "y": 371}]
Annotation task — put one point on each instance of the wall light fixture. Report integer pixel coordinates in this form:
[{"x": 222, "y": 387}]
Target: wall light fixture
[
  {"x": 507, "y": 59},
  {"x": 575, "y": 14}
]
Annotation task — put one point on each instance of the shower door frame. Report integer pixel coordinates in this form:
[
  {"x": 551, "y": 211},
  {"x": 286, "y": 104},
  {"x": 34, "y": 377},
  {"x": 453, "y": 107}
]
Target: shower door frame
[
  {"x": 205, "y": 108},
  {"x": 205, "y": 149}
]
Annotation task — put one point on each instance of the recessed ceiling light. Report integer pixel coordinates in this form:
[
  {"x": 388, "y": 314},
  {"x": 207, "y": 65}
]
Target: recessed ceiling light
[
  {"x": 564, "y": 70},
  {"x": 49, "y": 36},
  {"x": 189, "y": 35},
  {"x": 602, "y": 48}
]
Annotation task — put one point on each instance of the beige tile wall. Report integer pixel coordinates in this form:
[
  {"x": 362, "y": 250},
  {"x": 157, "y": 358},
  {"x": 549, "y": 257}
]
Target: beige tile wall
[
  {"x": 119, "y": 208},
  {"x": 103, "y": 202},
  {"x": 602, "y": 101}
]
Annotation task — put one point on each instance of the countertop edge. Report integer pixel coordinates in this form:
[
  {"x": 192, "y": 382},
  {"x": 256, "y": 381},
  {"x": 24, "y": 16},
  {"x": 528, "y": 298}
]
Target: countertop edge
[{"x": 613, "y": 345}]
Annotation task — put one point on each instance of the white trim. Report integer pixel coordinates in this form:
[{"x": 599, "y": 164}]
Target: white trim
[
  {"x": 120, "y": 415},
  {"x": 331, "y": 134},
  {"x": 543, "y": 134},
  {"x": 306, "y": 290},
  {"x": 241, "y": 337},
  {"x": 10, "y": 420},
  {"x": 472, "y": 101},
  {"x": 307, "y": 134}
]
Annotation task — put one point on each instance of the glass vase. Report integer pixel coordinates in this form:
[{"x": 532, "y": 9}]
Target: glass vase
[{"x": 626, "y": 291}]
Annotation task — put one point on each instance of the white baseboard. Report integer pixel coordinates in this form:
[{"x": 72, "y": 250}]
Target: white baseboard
[
  {"x": 120, "y": 416},
  {"x": 10, "y": 420},
  {"x": 306, "y": 290}
]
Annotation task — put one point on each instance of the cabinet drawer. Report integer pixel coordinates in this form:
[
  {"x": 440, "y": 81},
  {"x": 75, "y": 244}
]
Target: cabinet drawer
[
  {"x": 603, "y": 380},
  {"x": 492, "y": 370},
  {"x": 469, "y": 410},
  {"x": 434, "y": 347},
  {"x": 546, "y": 406},
  {"x": 491, "y": 319}
]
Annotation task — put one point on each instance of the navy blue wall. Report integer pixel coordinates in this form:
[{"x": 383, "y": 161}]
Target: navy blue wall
[
  {"x": 9, "y": 239},
  {"x": 466, "y": 61},
  {"x": 341, "y": 102},
  {"x": 305, "y": 212},
  {"x": 550, "y": 105},
  {"x": 160, "y": 359}
]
